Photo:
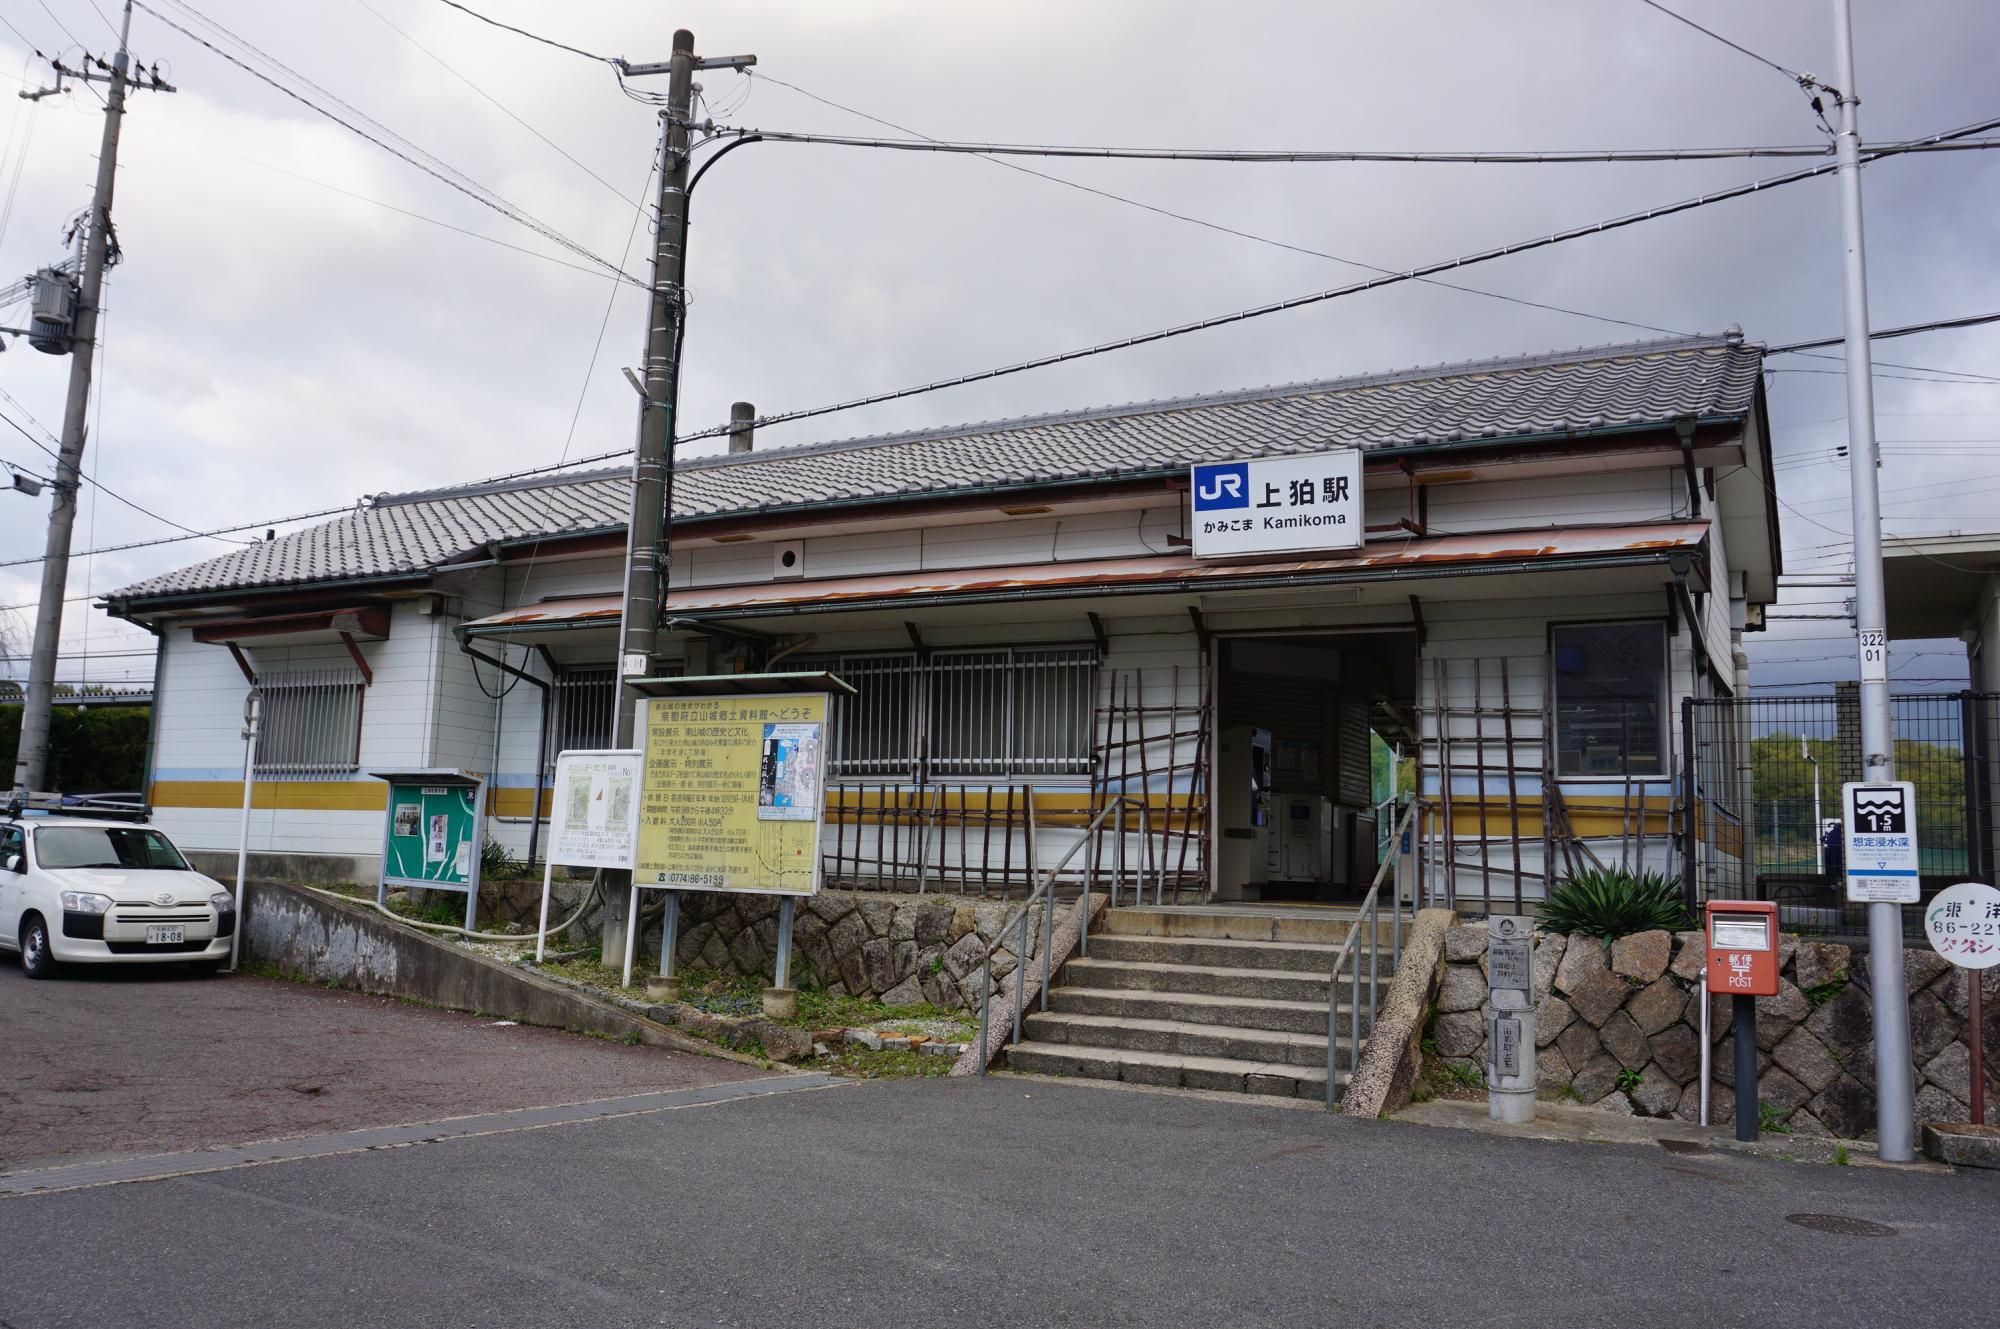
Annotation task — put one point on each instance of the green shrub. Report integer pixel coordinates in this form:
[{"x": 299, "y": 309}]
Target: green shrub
[{"x": 1613, "y": 903}]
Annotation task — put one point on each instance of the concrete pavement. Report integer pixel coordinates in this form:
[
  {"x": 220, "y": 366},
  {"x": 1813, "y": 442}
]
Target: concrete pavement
[
  {"x": 114, "y": 1061},
  {"x": 1004, "y": 1201}
]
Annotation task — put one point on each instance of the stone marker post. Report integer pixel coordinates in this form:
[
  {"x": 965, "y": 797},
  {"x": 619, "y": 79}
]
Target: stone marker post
[{"x": 1510, "y": 1035}]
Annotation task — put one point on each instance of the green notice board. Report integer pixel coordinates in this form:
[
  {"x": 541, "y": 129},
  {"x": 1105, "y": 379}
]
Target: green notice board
[
  {"x": 433, "y": 835},
  {"x": 433, "y": 832}
]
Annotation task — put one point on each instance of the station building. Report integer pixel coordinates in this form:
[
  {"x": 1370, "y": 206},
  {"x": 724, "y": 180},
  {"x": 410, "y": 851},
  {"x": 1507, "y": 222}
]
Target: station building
[{"x": 1556, "y": 550}]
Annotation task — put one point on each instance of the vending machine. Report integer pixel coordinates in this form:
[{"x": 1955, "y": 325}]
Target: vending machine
[{"x": 1243, "y": 809}]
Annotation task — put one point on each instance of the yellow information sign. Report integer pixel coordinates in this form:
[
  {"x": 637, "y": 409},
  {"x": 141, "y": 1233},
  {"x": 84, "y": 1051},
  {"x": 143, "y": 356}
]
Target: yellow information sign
[{"x": 731, "y": 793}]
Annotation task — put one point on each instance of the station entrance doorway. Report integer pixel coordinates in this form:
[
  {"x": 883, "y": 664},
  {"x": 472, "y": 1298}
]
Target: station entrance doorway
[{"x": 1299, "y": 719}]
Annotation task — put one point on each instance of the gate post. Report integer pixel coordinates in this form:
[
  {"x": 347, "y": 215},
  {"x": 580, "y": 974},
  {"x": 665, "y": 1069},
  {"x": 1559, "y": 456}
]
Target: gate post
[
  {"x": 1688, "y": 837},
  {"x": 1978, "y": 842}
]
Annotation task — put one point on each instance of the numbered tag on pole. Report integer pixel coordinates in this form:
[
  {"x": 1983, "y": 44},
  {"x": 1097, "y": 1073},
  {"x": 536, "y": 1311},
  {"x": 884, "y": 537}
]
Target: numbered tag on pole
[{"x": 1874, "y": 655}]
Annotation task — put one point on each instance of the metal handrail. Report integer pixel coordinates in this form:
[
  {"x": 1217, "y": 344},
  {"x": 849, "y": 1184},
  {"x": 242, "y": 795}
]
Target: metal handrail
[
  {"x": 1370, "y": 908},
  {"x": 1045, "y": 892}
]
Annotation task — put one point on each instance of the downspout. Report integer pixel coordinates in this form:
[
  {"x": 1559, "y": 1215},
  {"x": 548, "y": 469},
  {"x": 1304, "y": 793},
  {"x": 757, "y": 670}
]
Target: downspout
[
  {"x": 1685, "y": 430},
  {"x": 544, "y": 685},
  {"x": 772, "y": 661}
]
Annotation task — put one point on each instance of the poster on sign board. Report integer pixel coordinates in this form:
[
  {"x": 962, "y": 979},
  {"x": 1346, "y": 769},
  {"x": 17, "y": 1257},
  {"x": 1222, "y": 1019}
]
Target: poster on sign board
[
  {"x": 731, "y": 793},
  {"x": 595, "y": 809}
]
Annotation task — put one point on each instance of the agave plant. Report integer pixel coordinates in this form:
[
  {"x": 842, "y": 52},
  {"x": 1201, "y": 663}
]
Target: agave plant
[{"x": 1613, "y": 903}]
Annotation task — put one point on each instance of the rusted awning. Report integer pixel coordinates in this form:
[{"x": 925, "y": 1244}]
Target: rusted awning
[
  {"x": 1381, "y": 559},
  {"x": 559, "y": 612}
]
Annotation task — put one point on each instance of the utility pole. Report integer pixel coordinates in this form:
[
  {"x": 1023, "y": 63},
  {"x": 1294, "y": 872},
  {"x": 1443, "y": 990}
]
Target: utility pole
[
  {"x": 31, "y": 760},
  {"x": 1895, "y": 1103},
  {"x": 653, "y": 466}
]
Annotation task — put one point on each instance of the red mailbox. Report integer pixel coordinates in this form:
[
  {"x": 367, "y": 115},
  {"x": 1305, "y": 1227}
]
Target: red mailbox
[{"x": 1743, "y": 947}]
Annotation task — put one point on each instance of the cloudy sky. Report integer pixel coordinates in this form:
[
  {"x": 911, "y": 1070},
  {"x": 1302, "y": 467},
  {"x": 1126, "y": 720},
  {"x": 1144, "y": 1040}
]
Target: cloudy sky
[{"x": 302, "y": 318}]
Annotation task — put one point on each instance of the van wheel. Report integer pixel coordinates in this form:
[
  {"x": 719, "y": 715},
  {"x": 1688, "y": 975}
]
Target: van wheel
[{"x": 37, "y": 960}]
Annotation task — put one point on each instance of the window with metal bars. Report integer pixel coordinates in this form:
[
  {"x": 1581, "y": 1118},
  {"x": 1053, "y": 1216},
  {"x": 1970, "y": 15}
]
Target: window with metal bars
[
  {"x": 997, "y": 713},
  {"x": 309, "y": 721},
  {"x": 1015, "y": 711},
  {"x": 874, "y": 731},
  {"x": 586, "y": 707}
]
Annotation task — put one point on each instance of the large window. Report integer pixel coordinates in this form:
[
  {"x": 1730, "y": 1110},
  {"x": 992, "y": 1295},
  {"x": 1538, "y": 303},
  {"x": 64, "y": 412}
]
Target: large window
[
  {"x": 1002, "y": 713},
  {"x": 1610, "y": 698},
  {"x": 310, "y": 721}
]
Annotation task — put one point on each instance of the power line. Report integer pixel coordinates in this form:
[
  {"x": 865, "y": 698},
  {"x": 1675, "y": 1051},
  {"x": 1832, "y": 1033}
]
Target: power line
[
  {"x": 503, "y": 107},
  {"x": 92, "y": 481},
  {"x": 1293, "y": 156},
  {"x": 1803, "y": 80},
  {"x": 376, "y": 202},
  {"x": 523, "y": 32},
  {"x": 58, "y": 22},
  {"x": 1220, "y": 227},
  {"x": 1907, "y": 330},
  {"x": 1355, "y": 288},
  {"x": 220, "y": 532},
  {"x": 471, "y": 188}
]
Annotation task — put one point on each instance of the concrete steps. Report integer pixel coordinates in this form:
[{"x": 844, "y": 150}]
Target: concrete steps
[
  {"x": 1220, "y": 952},
  {"x": 1217, "y": 980},
  {"x": 1171, "y": 1070},
  {"x": 1178, "y": 1036},
  {"x": 1205, "y": 998},
  {"x": 1292, "y": 1017}
]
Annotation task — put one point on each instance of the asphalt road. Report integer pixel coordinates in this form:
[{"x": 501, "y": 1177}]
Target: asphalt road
[
  {"x": 100, "y": 1062},
  {"x": 1003, "y": 1202}
]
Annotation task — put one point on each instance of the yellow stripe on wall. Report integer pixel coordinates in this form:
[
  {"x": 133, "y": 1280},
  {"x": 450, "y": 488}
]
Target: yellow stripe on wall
[{"x": 275, "y": 795}]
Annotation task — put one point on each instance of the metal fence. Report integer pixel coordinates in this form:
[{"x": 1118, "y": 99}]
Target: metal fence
[{"x": 1765, "y": 775}]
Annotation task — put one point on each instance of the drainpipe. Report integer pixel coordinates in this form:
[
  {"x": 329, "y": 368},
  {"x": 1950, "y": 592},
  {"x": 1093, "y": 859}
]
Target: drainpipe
[
  {"x": 772, "y": 661},
  {"x": 542, "y": 740}
]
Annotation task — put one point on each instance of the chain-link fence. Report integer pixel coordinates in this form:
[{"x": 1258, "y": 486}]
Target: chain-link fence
[{"x": 1765, "y": 775}]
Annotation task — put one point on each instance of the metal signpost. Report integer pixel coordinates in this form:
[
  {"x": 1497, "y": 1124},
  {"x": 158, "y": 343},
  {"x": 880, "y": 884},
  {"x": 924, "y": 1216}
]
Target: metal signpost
[
  {"x": 1510, "y": 1034},
  {"x": 1963, "y": 922},
  {"x": 1879, "y": 829},
  {"x": 731, "y": 798},
  {"x": 253, "y": 710},
  {"x": 1277, "y": 505},
  {"x": 431, "y": 838},
  {"x": 594, "y": 823}
]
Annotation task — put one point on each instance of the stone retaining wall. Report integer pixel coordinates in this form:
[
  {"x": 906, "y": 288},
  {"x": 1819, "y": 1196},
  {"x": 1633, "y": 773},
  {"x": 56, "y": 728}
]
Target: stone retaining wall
[
  {"x": 1617, "y": 1026},
  {"x": 893, "y": 947}
]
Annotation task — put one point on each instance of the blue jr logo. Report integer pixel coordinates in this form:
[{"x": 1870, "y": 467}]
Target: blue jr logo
[{"x": 1222, "y": 486}]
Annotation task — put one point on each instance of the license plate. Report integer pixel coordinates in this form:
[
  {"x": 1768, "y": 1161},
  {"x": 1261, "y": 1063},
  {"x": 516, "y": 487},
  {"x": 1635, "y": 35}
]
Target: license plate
[{"x": 158, "y": 936}]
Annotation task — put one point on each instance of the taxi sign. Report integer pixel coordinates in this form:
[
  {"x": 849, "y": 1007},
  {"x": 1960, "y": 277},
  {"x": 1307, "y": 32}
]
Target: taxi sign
[
  {"x": 1879, "y": 834},
  {"x": 1963, "y": 922}
]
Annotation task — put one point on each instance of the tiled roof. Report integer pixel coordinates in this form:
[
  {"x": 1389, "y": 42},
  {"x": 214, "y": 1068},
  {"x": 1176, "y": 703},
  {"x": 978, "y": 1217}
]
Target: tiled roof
[{"x": 1571, "y": 392}]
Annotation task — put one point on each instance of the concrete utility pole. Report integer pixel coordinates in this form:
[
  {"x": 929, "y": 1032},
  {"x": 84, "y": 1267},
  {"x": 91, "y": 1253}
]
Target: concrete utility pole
[
  {"x": 32, "y": 758},
  {"x": 1895, "y": 1103},
  {"x": 653, "y": 466}
]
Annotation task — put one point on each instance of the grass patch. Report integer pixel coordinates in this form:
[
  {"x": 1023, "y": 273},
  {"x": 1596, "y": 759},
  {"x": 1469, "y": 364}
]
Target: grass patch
[
  {"x": 861, "y": 1064},
  {"x": 1817, "y": 997},
  {"x": 720, "y": 994},
  {"x": 1439, "y": 1078}
]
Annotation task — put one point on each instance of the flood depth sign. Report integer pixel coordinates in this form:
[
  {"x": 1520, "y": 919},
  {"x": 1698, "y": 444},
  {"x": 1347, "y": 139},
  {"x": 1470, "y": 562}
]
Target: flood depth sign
[
  {"x": 1277, "y": 504},
  {"x": 1879, "y": 822}
]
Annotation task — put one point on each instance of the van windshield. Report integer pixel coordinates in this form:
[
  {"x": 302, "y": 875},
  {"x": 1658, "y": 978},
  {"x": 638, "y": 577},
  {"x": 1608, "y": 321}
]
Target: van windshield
[{"x": 106, "y": 847}]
